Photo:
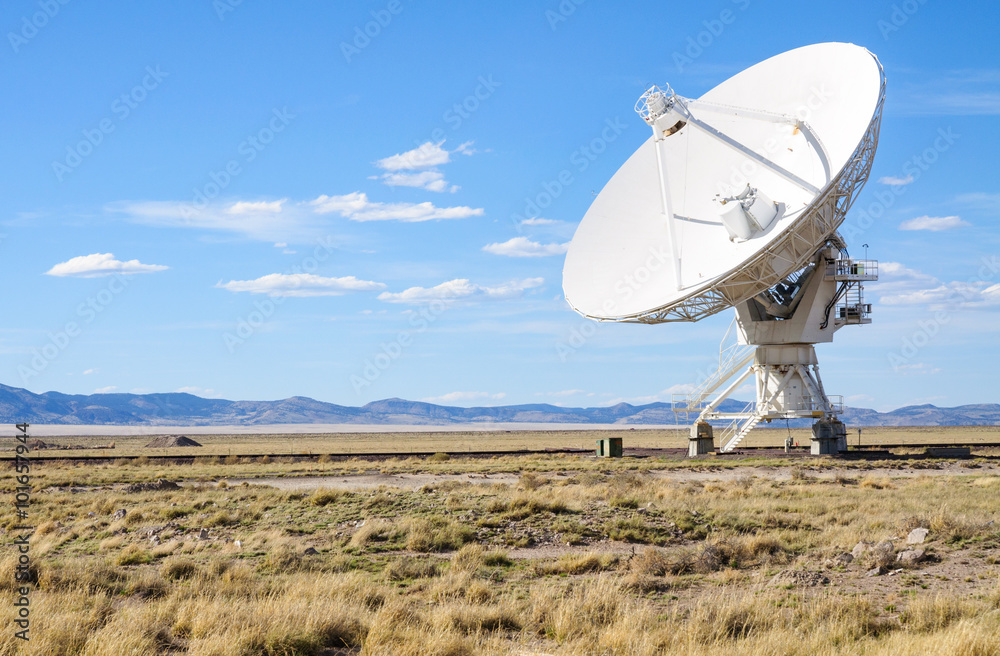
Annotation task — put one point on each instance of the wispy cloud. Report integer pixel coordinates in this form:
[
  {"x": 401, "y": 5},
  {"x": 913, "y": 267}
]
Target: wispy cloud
[
  {"x": 564, "y": 393},
  {"x": 967, "y": 92},
  {"x": 105, "y": 390},
  {"x": 981, "y": 201},
  {"x": 934, "y": 223},
  {"x": 539, "y": 221},
  {"x": 269, "y": 221},
  {"x": 524, "y": 247},
  {"x": 916, "y": 369},
  {"x": 462, "y": 289},
  {"x": 197, "y": 391},
  {"x": 301, "y": 285},
  {"x": 281, "y": 221},
  {"x": 249, "y": 207},
  {"x": 429, "y": 180},
  {"x": 901, "y": 285},
  {"x": 357, "y": 207},
  {"x": 464, "y": 397},
  {"x": 101, "y": 264},
  {"x": 895, "y": 181}
]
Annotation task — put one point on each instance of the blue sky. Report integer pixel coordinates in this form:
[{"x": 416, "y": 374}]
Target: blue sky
[{"x": 352, "y": 201}]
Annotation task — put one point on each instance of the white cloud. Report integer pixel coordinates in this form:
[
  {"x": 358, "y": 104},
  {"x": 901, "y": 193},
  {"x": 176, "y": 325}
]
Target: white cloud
[
  {"x": 901, "y": 285},
  {"x": 105, "y": 390},
  {"x": 982, "y": 201},
  {"x": 301, "y": 285},
  {"x": 537, "y": 221},
  {"x": 524, "y": 247},
  {"x": 300, "y": 222},
  {"x": 101, "y": 264},
  {"x": 423, "y": 156},
  {"x": 916, "y": 369},
  {"x": 429, "y": 180},
  {"x": 421, "y": 165},
  {"x": 291, "y": 222},
  {"x": 247, "y": 207},
  {"x": 197, "y": 391},
  {"x": 933, "y": 223},
  {"x": 896, "y": 182},
  {"x": 87, "y": 372},
  {"x": 357, "y": 207},
  {"x": 462, "y": 289},
  {"x": 459, "y": 397}
]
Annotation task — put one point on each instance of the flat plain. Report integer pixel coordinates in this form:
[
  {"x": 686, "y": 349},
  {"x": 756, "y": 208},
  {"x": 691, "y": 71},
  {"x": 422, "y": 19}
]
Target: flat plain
[{"x": 253, "y": 548}]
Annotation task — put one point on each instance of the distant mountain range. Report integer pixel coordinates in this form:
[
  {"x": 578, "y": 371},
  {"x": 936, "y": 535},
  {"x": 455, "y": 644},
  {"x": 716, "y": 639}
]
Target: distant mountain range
[{"x": 177, "y": 409}]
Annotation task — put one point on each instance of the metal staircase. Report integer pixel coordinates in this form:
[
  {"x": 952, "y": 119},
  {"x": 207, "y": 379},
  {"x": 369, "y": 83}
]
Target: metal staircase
[
  {"x": 733, "y": 357},
  {"x": 736, "y": 432}
]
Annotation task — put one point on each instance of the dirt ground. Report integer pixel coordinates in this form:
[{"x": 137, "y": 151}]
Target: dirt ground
[{"x": 416, "y": 481}]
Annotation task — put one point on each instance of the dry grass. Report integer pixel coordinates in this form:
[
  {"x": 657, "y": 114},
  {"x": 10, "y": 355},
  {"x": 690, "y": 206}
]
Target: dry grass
[{"x": 399, "y": 572}]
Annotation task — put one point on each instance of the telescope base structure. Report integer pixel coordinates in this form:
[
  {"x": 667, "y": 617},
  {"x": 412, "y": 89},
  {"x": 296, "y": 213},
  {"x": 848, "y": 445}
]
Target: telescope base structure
[
  {"x": 775, "y": 335},
  {"x": 828, "y": 438},
  {"x": 702, "y": 440}
]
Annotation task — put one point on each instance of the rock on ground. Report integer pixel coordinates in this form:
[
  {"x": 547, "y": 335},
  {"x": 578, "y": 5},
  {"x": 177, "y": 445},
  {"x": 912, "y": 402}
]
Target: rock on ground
[
  {"x": 911, "y": 556},
  {"x": 860, "y": 548},
  {"x": 799, "y": 577},
  {"x": 161, "y": 484},
  {"x": 917, "y": 536}
]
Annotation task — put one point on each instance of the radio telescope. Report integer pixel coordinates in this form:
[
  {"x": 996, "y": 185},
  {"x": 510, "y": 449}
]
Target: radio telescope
[{"x": 734, "y": 202}]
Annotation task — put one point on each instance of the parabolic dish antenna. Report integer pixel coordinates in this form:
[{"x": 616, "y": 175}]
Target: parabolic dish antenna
[{"x": 734, "y": 202}]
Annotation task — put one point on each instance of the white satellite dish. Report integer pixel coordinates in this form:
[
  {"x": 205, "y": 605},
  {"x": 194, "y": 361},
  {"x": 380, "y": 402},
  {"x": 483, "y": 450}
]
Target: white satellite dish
[{"x": 735, "y": 202}]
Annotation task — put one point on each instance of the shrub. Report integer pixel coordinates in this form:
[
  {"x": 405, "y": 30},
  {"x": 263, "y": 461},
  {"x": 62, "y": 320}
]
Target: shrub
[
  {"x": 437, "y": 535},
  {"x": 176, "y": 569},
  {"x": 173, "y": 512},
  {"x": 134, "y": 555},
  {"x": 578, "y": 564},
  {"x": 324, "y": 496},
  {"x": 221, "y": 518},
  {"x": 375, "y": 530},
  {"x": 410, "y": 568}
]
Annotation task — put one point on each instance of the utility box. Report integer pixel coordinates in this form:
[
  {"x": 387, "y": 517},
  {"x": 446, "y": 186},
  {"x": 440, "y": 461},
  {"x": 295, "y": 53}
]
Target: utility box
[{"x": 609, "y": 447}]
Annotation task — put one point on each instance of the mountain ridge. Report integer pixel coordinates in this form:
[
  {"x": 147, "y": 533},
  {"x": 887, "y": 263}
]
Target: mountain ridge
[{"x": 183, "y": 409}]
